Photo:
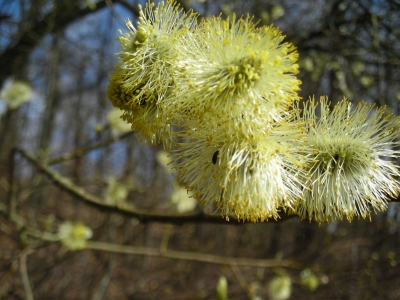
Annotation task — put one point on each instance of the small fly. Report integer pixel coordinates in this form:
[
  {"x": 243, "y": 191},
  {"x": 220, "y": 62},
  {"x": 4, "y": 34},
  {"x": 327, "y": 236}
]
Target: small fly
[{"x": 215, "y": 157}]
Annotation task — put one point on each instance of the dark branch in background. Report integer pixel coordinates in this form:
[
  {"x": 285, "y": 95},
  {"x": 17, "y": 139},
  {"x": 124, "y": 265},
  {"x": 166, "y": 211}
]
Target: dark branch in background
[
  {"x": 143, "y": 216},
  {"x": 17, "y": 54},
  {"x": 65, "y": 12},
  {"x": 126, "y": 4},
  {"x": 81, "y": 152}
]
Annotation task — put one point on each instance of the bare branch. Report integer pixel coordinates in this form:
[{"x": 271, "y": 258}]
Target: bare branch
[
  {"x": 105, "y": 280},
  {"x": 24, "y": 276},
  {"x": 240, "y": 279},
  {"x": 173, "y": 254},
  {"x": 183, "y": 255},
  {"x": 81, "y": 152}
]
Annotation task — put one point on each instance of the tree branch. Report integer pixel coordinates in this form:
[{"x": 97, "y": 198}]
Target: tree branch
[
  {"x": 192, "y": 256},
  {"x": 81, "y": 152},
  {"x": 105, "y": 280},
  {"x": 143, "y": 216},
  {"x": 174, "y": 254},
  {"x": 24, "y": 276}
]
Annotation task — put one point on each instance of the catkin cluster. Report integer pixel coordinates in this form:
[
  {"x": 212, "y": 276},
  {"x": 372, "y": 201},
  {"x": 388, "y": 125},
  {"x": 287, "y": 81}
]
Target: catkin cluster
[{"x": 221, "y": 95}]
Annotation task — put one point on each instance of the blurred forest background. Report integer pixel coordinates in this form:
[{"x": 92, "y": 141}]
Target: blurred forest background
[{"x": 70, "y": 169}]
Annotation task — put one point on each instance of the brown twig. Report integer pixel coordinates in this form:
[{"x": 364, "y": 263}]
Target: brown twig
[
  {"x": 173, "y": 254},
  {"x": 24, "y": 276},
  {"x": 240, "y": 279},
  {"x": 192, "y": 256},
  {"x": 81, "y": 152},
  {"x": 165, "y": 237},
  {"x": 105, "y": 280}
]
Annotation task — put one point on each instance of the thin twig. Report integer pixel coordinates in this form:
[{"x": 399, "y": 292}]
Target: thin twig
[
  {"x": 165, "y": 237},
  {"x": 24, "y": 276},
  {"x": 172, "y": 254},
  {"x": 112, "y": 262},
  {"x": 192, "y": 256},
  {"x": 105, "y": 280},
  {"x": 11, "y": 195},
  {"x": 240, "y": 279},
  {"x": 81, "y": 152}
]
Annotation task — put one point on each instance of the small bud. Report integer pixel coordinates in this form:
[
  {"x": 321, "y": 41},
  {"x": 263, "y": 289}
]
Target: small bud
[
  {"x": 74, "y": 235},
  {"x": 222, "y": 288}
]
